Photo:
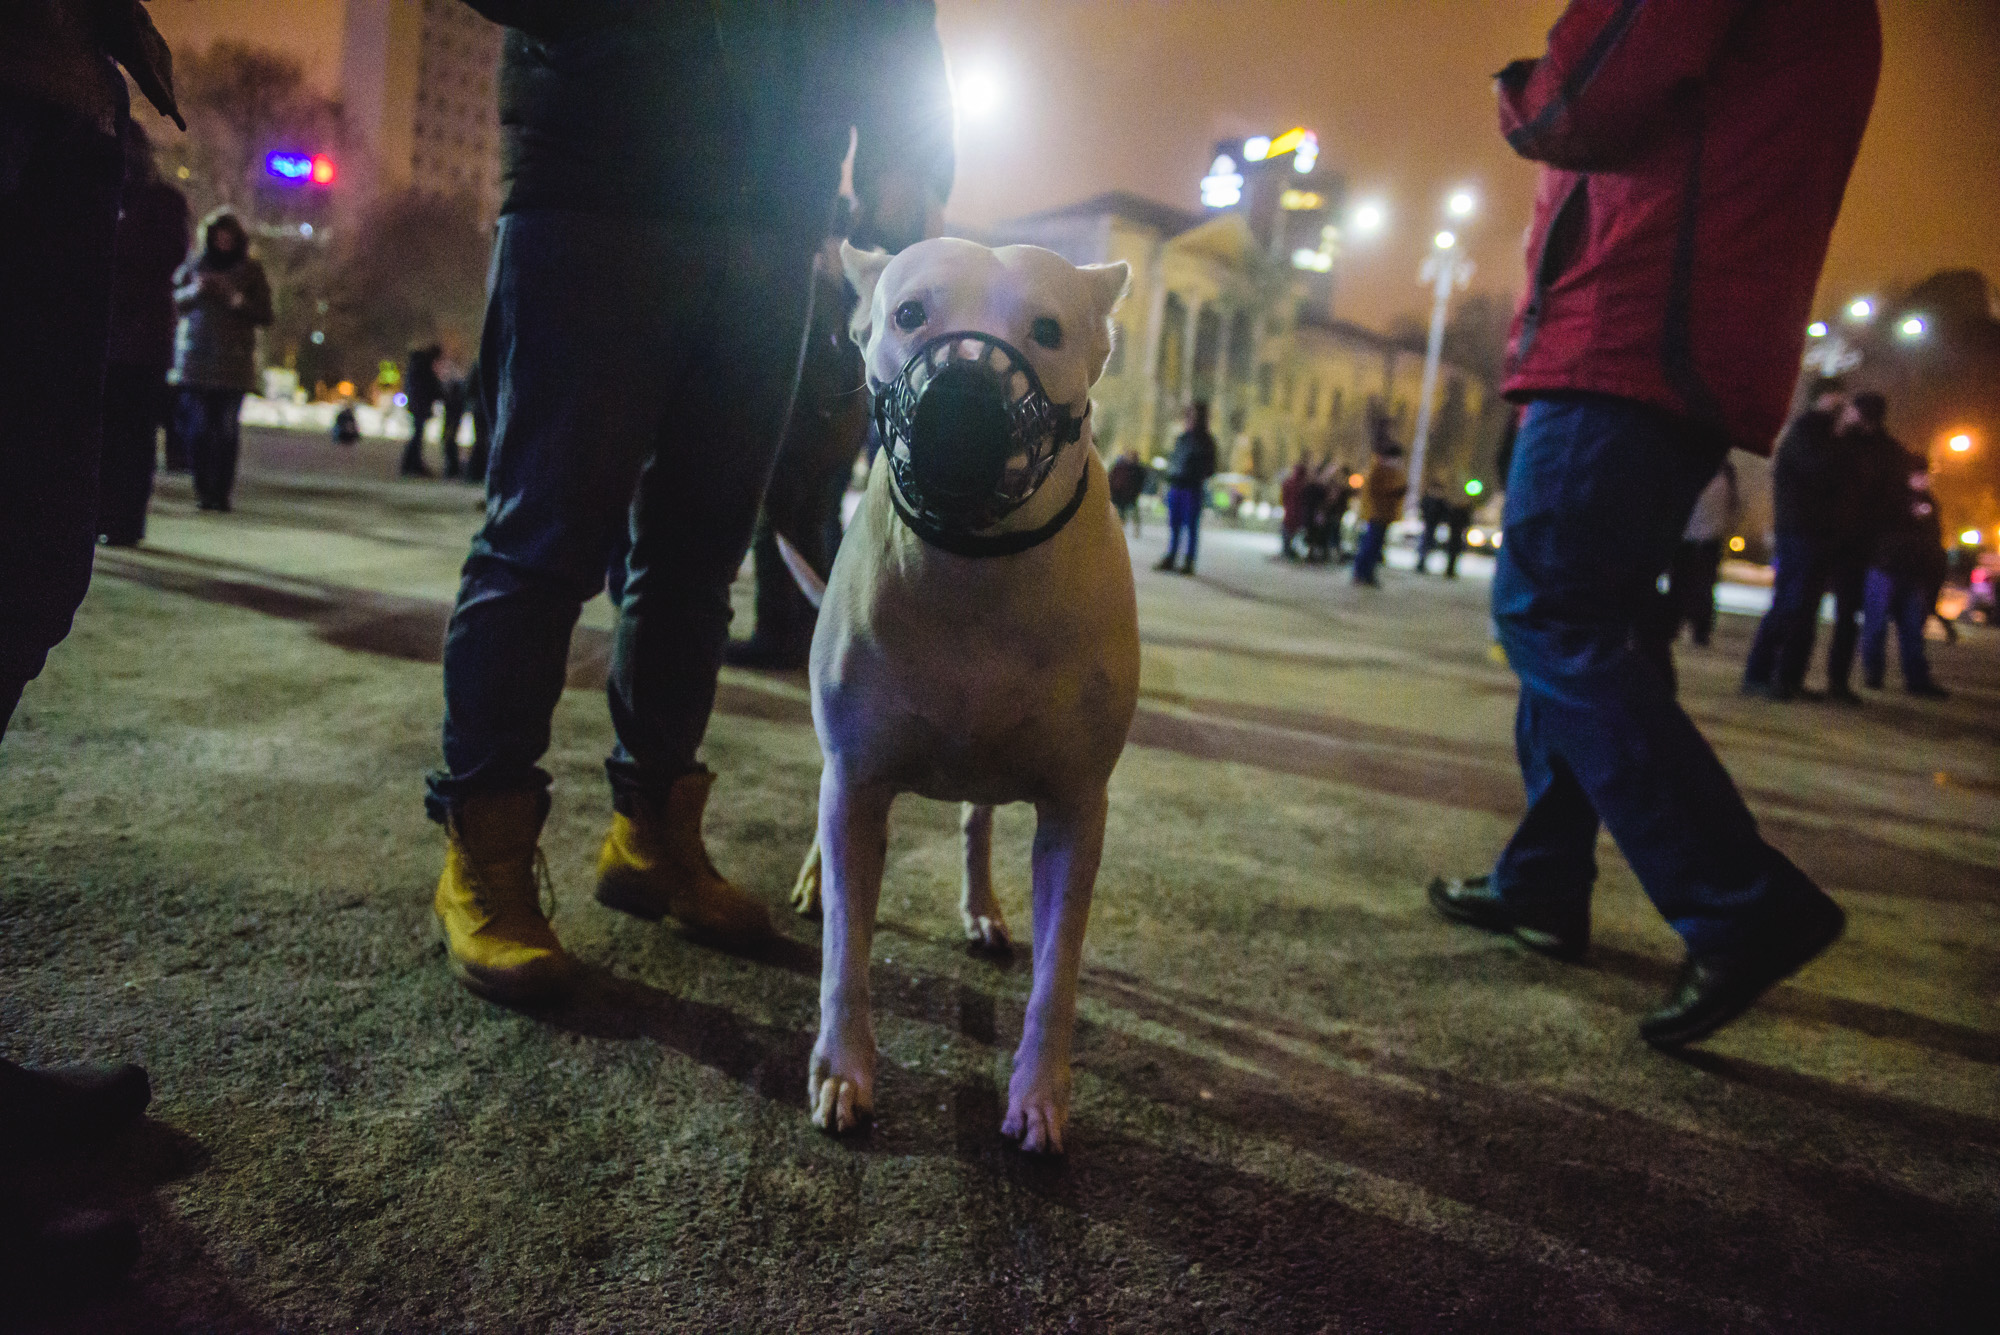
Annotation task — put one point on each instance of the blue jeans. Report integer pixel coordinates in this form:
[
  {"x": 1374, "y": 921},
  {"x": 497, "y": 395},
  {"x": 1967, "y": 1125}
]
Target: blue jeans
[
  {"x": 637, "y": 377},
  {"x": 1368, "y": 551},
  {"x": 1801, "y": 566},
  {"x": 1598, "y": 496},
  {"x": 1183, "y": 520},
  {"x": 1907, "y": 603}
]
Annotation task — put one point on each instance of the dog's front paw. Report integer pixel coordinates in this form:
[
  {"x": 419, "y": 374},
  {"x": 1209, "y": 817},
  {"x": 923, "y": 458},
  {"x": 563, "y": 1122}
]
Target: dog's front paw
[
  {"x": 841, "y": 1086},
  {"x": 1037, "y": 1108},
  {"x": 805, "y": 890},
  {"x": 986, "y": 931}
]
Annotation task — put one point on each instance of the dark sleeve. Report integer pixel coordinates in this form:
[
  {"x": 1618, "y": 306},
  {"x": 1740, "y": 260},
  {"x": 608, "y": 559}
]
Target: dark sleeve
[
  {"x": 1611, "y": 76},
  {"x": 256, "y": 307},
  {"x": 903, "y": 110}
]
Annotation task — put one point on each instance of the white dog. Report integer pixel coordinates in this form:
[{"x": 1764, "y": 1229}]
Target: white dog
[{"x": 978, "y": 639}]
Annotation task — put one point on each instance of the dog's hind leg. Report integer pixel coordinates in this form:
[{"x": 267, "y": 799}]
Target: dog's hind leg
[
  {"x": 1069, "y": 842},
  {"x": 978, "y": 907},
  {"x": 805, "y": 890},
  {"x": 853, "y": 839}
]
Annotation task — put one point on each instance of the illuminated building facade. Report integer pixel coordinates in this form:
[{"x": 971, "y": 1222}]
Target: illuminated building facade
[
  {"x": 418, "y": 83},
  {"x": 1214, "y": 315}
]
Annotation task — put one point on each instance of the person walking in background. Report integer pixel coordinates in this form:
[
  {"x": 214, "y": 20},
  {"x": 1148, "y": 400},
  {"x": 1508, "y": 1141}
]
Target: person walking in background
[
  {"x": 1189, "y": 468},
  {"x": 1697, "y": 563},
  {"x": 1293, "y": 504},
  {"x": 1430, "y": 517},
  {"x": 1694, "y": 157},
  {"x": 63, "y": 109},
  {"x": 1126, "y": 481},
  {"x": 152, "y": 239},
  {"x": 1806, "y": 484},
  {"x": 223, "y": 299},
  {"x": 1382, "y": 495},
  {"x": 1905, "y": 572},
  {"x": 422, "y": 388},
  {"x": 671, "y": 170}
]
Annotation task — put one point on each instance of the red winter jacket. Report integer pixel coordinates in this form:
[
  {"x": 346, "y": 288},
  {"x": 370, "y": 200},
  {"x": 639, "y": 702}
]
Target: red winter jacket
[{"x": 1696, "y": 154}]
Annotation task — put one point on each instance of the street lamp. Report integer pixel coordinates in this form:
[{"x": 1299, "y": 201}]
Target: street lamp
[
  {"x": 1960, "y": 443},
  {"x": 1861, "y": 310},
  {"x": 1368, "y": 218},
  {"x": 1912, "y": 328},
  {"x": 1817, "y": 329},
  {"x": 1445, "y": 269},
  {"x": 977, "y": 94}
]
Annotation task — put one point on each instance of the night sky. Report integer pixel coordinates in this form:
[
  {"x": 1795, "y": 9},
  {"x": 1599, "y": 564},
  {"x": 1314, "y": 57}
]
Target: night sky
[{"x": 1131, "y": 94}]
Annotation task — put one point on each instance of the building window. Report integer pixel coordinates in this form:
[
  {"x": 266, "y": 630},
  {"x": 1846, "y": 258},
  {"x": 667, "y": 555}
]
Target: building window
[{"x": 1267, "y": 383}]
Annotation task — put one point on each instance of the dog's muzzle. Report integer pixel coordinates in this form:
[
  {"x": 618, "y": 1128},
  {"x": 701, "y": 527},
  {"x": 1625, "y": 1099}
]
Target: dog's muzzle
[{"x": 970, "y": 432}]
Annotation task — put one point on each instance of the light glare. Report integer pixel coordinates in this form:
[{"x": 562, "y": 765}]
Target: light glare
[
  {"x": 1861, "y": 308},
  {"x": 978, "y": 95},
  {"x": 1369, "y": 217},
  {"x": 1912, "y": 327},
  {"x": 1461, "y": 204},
  {"x": 1257, "y": 149},
  {"x": 1960, "y": 443},
  {"x": 1817, "y": 329},
  {"x": 1444, "y": 241}
]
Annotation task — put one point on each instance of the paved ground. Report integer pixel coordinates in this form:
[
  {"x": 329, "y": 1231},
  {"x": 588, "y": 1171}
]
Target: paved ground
[{"x": 1303, "y": 1103}]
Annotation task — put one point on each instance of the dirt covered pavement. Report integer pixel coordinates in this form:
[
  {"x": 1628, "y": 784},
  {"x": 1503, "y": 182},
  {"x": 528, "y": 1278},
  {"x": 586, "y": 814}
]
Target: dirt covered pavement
[{"x": 1302, "y": 1103}]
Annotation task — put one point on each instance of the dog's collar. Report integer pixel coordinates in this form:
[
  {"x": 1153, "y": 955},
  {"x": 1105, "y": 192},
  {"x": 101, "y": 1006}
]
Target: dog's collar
[{"x": 990, "y": 544}]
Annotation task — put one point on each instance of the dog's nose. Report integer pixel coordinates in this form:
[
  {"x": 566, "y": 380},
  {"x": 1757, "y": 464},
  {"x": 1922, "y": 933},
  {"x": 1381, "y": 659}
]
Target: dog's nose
[{"x": 960, "y": 440}]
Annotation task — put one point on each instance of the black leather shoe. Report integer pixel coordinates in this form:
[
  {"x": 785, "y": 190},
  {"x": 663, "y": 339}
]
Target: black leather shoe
[
  {"x": 69, "y": 1105},
  {"x": 1714, "y": 989},
  {"x": 1473, "y": 902}
]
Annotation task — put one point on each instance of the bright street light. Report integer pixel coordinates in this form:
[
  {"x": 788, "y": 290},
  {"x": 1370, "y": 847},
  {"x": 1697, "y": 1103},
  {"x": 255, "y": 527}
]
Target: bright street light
[
  {"x": 1912, "y": 327},
  {"x": 1444, "y": 240},
  {"x": 1970, "y": 537},
  {"x": 1461, "y": 204},
  {"x": 977, "y": 94},
  {"x": 1861, "y": 308},
  {"x": 1960, "y": 443},
  {"x": 1817, "y": 329},
  {"x": 1369, "y": 217}
]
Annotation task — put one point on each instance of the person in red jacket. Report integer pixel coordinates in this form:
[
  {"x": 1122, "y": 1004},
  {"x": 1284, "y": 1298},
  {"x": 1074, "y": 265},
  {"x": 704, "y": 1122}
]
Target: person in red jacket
[{"x": 1695, "y": 154}]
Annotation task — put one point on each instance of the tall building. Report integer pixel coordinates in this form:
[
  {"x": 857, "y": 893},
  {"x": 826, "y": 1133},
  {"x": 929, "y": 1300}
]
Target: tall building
[{"x": 418, "y": 85}]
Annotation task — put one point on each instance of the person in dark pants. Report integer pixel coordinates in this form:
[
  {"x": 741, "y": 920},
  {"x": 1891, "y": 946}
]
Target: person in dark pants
[
  {"x": 422, "y": 388},
  {"x": 1296, "y": 506},
  {"x": 455, "y": 396},
  {"x": 670, "y": 170},
  {"x": 1806, "y": 496},
  {"x": 1430, "y": 517},
  {"x": 1873, "y": 479},
  {"x": 1126, "y": 481},
  {"x": 1457, "y": 519},
  {"x": 1663, "y": 322},
  {"x": 1189, "y": 468},
  {"x": 1334, "y": 492},
  {"x": 1381, "y": 503},
  {"x": 152, "y": 239},
  {"x": 223, "y": 299},
  {"x": 1905, "y": 572},
  {"x": 62, "y": 109},
  {"x": 823, "y": 437}
]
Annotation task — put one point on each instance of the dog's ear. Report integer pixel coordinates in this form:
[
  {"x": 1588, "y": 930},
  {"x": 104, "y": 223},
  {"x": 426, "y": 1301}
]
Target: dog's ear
[
  {"x": 864, "y": 270},
  {"x": 1107, "y": 285}
]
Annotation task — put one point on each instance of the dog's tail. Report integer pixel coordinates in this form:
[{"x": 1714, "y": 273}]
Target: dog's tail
[{"x": 810, "y": 584}]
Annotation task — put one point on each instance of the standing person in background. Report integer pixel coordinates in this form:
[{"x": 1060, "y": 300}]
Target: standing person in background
[
  {"x": 1126, "y": 479},
  {"x": 671, "y": 170},
  {"x": 223, "y": 299},
  {"x": 422, "y": 388},
  {"x": 152, "y": 239},
  {"x": 455, "y": 392},
  {"x": 1430, "y": 516},
  {"x": 1697, "y": 564},
  {"x": 1872, "y": 476},
  {"x": 482, "y": 425},
  {"x": 1457, "y": 519},
  {"x": 1806, "y": 481},
  {"x": 1191, "y": 465},
  {"x": 1694, "y": 161},
  {"x": 1903, "y": 581},
  {"x": 1294, "y": 516},
  {"x": 1381, "y": 503},
  {"x": 63, "y": 108},
  {"x": 1334, "y": 488}
]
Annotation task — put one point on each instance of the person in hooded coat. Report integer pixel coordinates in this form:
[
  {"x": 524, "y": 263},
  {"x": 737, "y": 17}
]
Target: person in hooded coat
[{"x": 223, "y": 299}]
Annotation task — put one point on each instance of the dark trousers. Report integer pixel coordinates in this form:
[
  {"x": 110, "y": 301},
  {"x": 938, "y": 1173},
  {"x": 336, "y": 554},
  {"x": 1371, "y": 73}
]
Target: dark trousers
[
  {"x": 1783, "y": 646},
  {"x": 638, "y": 376},
  {"x": 1691, "y": 581},
  {"x": 1599, "y": 492},
  {"x": 413, "y": 449},
  {"x": 1368, "y": 550},
  {"x": 209, "y": 421},
  {"x": 59, "y": 186},
  {"x": 457, "y": 397},
  {"x": 135, "y": 408},
  {"x": 1183, "y": 523},
  {"x": 1847, "y": 578},
  {"x": 1905, "y": 603},
  {"x": 1454, "y": 547}
]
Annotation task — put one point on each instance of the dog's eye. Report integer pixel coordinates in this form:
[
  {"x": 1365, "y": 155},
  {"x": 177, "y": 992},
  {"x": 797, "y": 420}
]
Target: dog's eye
[
  {"x": 911, "y": 316},
  {"x": 1046, "y": 331}
]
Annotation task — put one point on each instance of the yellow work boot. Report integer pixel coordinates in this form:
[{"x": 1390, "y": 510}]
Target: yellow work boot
[
  {"x": 654, "y": 863},
  {"x": 488, "y": 903}
]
